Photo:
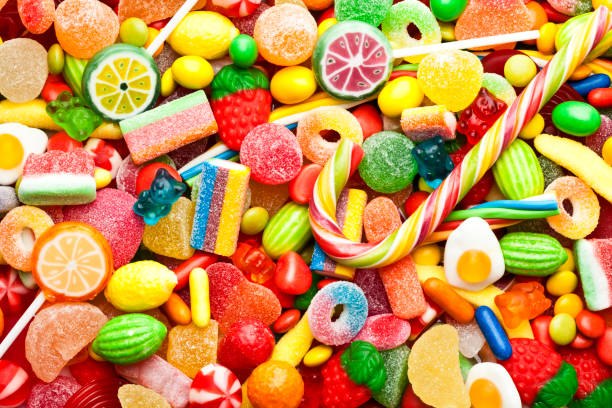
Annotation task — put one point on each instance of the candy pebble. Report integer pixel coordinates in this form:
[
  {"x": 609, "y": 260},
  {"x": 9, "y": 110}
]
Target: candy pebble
[
  {"x": 23, "y": 69},
  {"x": 374, "y": 290},
  {"x": 172, "y": 234},
  {"x": 399, "y": 94},
  {"x": 381, "y": 217},
  {"x": 111, "y": 214},
  {"x": 425, "y": 122},
  {"x": 137, "y": 396},
  {"x": 384, "y": 331},
  {"x": 58, "y": 333},
  {"x": 451, "y": 78},
  {"x": 285, "y": 34},
  {"x": 215, "y": 385},
  {"x": 433, "y": 368},
  {"x": 191, "y": 348},
  {"x": 396, "y": 367},
  {"x": 84, "y": 27},
  {"x": 403, "y": 289},
  {"x": 483, "y": 18},
  {"x": 519, "y": 70},
  {"x": 576, "y": 118},
  {"x": 54, "y": 394},
  {"x": 275, "y": 384}
]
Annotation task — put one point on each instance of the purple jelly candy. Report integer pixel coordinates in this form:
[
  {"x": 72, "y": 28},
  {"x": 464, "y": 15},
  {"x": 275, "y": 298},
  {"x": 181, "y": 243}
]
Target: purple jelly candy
[{"x": 369, "y": 281}]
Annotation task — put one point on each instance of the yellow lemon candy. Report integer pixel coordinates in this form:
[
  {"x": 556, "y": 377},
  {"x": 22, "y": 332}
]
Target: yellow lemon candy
[
  {"x": 606, "y": 151},
  {"x": 519, "y": 70},
  {"x": 293, "y": 85},
  {"x": 427, "y": 255},
  {"x": 203, "y": 33},
  {"x": 533, "y": 128},
  {"x": 546, "y": 42},
  {"x": 569, "y": 264},
  {"x": 168, "y": 84},
  {"x": 325, "y": 24},
  {"x": 192, "y": 72},
  {"x": 102, "y": 178},
  {"x": 562, "y": 329},
  {"x": 570, "y": 304},
  {"x": 318, "y": 355},
  {"x": 562, "y": 283},
  {"x": 399, "y": 94},
  {"x": 140, "y": 286},
  {"x": 152, "y": 34}
]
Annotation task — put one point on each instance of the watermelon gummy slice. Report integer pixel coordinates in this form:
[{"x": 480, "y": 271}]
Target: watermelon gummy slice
[{"x": 594, "y": 260}]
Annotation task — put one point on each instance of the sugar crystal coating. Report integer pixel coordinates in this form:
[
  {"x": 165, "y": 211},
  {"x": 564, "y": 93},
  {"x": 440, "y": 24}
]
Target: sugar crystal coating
[
  {"x": 172, "y": 234},
  {"x": 52, "y": 395},
  {"x": 385, "y": 331},
  {"x": 23, "y": 69},
  {"x": 482, "y": 18},
  {"x": 403, "y": 288},
  {"x": 371, "y": 11},
  {"x": 369, "y": 281},
  {"x": 190, "y": 348},
  {"x": 137, "y": 396},
  {"x": 380, "y": 218},
  {"x": 396, "y": 366},
  {"x": 151, "y": 10}
]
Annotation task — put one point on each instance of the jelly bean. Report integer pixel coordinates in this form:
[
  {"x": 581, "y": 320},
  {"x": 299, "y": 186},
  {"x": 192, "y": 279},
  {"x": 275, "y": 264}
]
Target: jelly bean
[
  {"x": 568, "y": 265},
  {"x": 254, "y": 220},
  {"x": 427, "y": 255},
  {"x": 590, "y": 324},
  {"x": 152, "y": 33},
  {"x": 102, "y": 177},
  {"x": 318, "y": 355},
  {"x": 300, "y": 188},
  {"x": 600, "y": 97},
  {"x": 519, "y": 70},
  {"x": 168, "y": 84},
  {"x": 243, "y": 50},
  {"x": 293, "y": 85},
  {"x": 325, "y": 24},
  {"x": 414, "y": 201},
  {"x": 606, "y": 151},
  {"x": 580, "y": 73},
  {"x": 200, "y": 297},
  {"x": 561, "y": 283},
  {"x": 445, "y": 296},
  {"x": 540, "y": 326},
  {"x": 134, "y": 31},
  {"x": 581, "y": 342},
  {"x": 570, "y": 304},
  {"x": 604, "y": 347},
  {"x": 192, "y": 72},
  {"x": 286, "y": 321},
  {"x": 584, "y": 86},
  {"x": 399, "y": 94},
  {"x": 177, "y": 310},
  {"x": 533, "y": 128},
  {"x": 447, "y": 10},
  {"x": 198, "y": 260},
  {"x": 369, "y": 119},
  {"x": 493, "y": 332},
  {"x": 562, "y": 329},
  {"x": 292, "y": 275},
  {"x": 55, "y": 59},
  {"x": 576, "y": 118},
  {"x": 546, "y": 42}
]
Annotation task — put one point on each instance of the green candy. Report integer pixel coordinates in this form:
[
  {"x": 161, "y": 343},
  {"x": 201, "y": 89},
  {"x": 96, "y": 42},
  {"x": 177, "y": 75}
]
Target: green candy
[
  {"x": 532, "y": 254},
  {"x": 559, "y": 390},
  {"x": 518, "y": 173},
  {"x": 243, "y": 51},
  {"x": 364, "y": 365},
  {"x": 388, "y": 165},
  {"x": 129, "y": 338},
  {"x": 396, "y": 365},
  {"x": 372, "y": 11},
  {"x": 576, "y": 118},
  {"x": 288, "y": 230},
  {"x": 447, "y": 10},
  {"x": 73, "y": 73}
]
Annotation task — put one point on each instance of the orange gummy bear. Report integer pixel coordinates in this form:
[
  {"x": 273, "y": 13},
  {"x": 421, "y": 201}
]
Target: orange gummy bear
[{"x": 523, "y": 301}]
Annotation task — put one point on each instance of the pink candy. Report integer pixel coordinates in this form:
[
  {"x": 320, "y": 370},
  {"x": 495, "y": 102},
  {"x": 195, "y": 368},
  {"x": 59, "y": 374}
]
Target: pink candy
[
  {"x": 384, "y": 331},
  {"x": 53, "y": 395},
  {"x": 215, "y": 386}
]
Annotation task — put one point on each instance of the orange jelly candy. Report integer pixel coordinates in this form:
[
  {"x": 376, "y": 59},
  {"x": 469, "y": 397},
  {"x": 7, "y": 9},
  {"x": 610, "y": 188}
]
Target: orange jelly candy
[
  {"x": 72, "y": 261},
  {"x": 524, "y": 301}
]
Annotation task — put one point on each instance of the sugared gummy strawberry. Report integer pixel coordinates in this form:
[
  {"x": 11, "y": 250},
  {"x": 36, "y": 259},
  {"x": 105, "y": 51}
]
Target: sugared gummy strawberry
[
  {"x": 240, "y": 101},
  {"x": 477, "y": 118},
  {"x": 592, "y": 373}
]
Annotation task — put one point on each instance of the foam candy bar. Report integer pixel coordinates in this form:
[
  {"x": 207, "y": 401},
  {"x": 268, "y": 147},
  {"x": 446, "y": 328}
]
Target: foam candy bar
[
  {"x": 593, "y": 260},
  {"x": 218, "y": 213},
  {"x": 349, "y": 213},
  {"x": 168, "y": 127}
]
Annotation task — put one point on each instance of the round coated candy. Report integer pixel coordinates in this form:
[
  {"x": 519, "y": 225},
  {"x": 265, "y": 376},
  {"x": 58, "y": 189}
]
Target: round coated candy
[
  {"x": 586, "y": 85},
  {"x": 576, "y": 118},
  {"x": 293, "y": 85},
  {"x": 590, "y": 324},
  {"x": 447, "y": 10},
  {"x": 254, "y": 220},
  {"x": 318, "y": 355},
  {"x": 243, "y": 50},
  {"x": 569, "y": 303},
  {"x": 601, "y": 97},
  {"x": 519, "y": 70},
  {"x": 562, "y": 329},
  {"x": 562, "y": 283},
  {"x": 192, "y": 72},
  {"x": 399, "y": 94}
]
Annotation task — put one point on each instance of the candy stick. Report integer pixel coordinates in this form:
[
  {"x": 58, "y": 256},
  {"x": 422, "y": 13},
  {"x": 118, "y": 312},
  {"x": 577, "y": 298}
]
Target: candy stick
[
  {"x": 22, "y": 322},
  {"x": 463, "y": 44},
  {"x": 425, "y": 220},
  {"x": 169, "y": 28}
]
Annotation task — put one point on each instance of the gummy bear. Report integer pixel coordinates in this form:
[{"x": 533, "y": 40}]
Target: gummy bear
[
  {"x": 253, "y": 262},
  {"x": 73, "y": 114},
  {"x": 523, "y": 301},
  {"x": 156, "y": 202},
  {"x": 477, "y": 118},
  {"x": 433, "y": 162}
]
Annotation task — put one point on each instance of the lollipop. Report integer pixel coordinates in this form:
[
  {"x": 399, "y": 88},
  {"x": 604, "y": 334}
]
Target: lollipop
[{"x": 480, "y": 158}]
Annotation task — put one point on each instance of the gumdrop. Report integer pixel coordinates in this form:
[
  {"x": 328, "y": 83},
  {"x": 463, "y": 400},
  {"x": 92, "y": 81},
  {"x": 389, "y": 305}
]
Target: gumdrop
[
  {"x": 385, "y": 331},
  {"x": 483, "y": 18},
  {"x": 137, "y": 396},
  {"x": 396, "y": 365},
  {"x": 190, "y": 348},
  {"x": 380, "y": 218},
  {"x": 58, "y": 333},
  {"x": 172, "y": 234},
  {"x": 36, "y": 15},
  {"x": 53, "y": 395},
  {"x": 369, "y": 281}
]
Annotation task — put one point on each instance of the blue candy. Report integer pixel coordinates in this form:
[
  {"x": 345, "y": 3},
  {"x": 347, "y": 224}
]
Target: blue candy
[
  {"x": 586, "y": 85},
  {"x": 493, "y": 332},
  {"x": 156, "y": 202},
  {"x": 433, "y": 162}
]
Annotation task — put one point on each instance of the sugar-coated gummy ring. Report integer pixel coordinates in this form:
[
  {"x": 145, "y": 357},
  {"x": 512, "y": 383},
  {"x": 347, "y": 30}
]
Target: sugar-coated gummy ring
[
  {"x": 351, "y": 319},
  {"x": 585, "y": 207},
  {"x": 424, "y": 221}
]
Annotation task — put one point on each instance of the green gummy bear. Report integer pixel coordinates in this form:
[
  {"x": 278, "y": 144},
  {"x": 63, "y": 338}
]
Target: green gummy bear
[{"x": 74, "y": 116}]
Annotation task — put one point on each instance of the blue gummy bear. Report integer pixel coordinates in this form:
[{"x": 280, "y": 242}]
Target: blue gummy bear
[
  {"x": 433, "y": 161},
  {"x": 156, "y": 202}
]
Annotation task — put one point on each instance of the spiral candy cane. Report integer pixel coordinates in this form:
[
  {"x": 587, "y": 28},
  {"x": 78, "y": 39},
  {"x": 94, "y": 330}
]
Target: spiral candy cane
[{"x": 584, "y": 43}]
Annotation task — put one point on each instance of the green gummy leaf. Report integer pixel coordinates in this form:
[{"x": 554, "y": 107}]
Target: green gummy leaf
[
  {"x": 232, "y": 79},
  {"x": 558, "y": 392},
  {"x": 364, "y": 365},
  {"x": 600, "y": 397}
]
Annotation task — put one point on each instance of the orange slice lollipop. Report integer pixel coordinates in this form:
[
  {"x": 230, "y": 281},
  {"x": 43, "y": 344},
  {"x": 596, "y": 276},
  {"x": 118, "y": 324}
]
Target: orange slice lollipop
[{"x": 71, "y": 261}]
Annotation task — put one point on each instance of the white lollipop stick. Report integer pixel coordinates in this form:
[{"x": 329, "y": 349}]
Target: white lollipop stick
[
  {"x": 463, "y": 44},
  {"x": 21, "y": 323},
  {"x": 169, "y": 28}
]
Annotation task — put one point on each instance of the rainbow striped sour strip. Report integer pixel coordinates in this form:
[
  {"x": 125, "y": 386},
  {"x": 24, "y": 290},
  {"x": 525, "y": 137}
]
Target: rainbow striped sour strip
[{"x": 426, "y": 219}]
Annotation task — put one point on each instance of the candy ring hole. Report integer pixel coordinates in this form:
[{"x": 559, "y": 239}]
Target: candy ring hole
[
  {"x": 330, "y": 135},
  {"x": 568, "y": 207},
  {"x": 337, "y": 312},
  {"x": 27, "y": 238},
  {"x": 413, "y": 31}
]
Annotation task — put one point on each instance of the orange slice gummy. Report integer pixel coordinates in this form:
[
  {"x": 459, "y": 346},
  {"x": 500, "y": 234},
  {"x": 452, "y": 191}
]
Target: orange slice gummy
[{"x": 71, "y": 261}]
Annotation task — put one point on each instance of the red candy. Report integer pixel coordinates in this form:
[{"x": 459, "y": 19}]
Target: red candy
[
  {"x": 147, "y": 174},
  {"x": 54, "y": 394},
  {"x": 540, "y": 326},
  {"x": 369, "y": 119},
  {"x": 286, "y": 321},
  {"x": 590, "y": 324},
  {"x": 581, "y": 342},
  {"x": 36, "y": 15},
  {"x": 53, "y": 88},
  {"x": 272, "y": 153},
  {"x": 235, "y": 8},
  {"x": 61, "y": 141},
  {"x": 198, "y": 260},
  {"x": 477, "y": 118},
  {"x": 414, "y": 201},
  {"x": 12, "y": 290},
  {"x": 97, "y": 394},
  {"x": 480, "y": 190},
  {"x": 104, "y": 155},
  {"x": 300, "y": 188},
  {"x": 292, "y": 274},
  {"x": 604, "y": 347},
  {"x": 214, "y": 386},
  {"x": 600, "y": 97},
  {"x": 254, "y": 263},
  {"x": 90, "y": 370},
  {"x": 14, "y": 384}
]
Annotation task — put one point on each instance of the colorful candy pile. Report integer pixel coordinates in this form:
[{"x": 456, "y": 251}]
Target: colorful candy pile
[{"x": 305, "y": 203}]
